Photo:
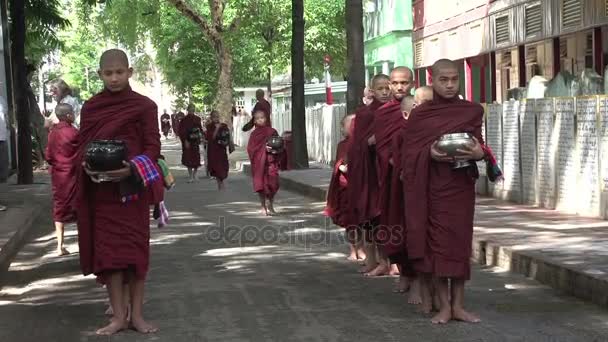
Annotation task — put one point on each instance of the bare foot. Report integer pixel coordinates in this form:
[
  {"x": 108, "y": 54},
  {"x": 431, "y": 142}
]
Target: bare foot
[
  {"x": 394, "y": 270},
  {"x": 264, "y": 212},
  {"x": 109, "y": 311},
  {"x": 464, "y": 316},
  {"x": 367, "y": 269},
  {"x": 425, "y": 307},
  {"x": 380, "y": 270},
  {"x": 361, "y": 256},
  {"x": 115, "y": 326},
  {"x": 415, "y": 297},
  {"x": 142, "y": 326},
  {"x": 443, "y": 317},
  {"x": 403, "y": 285},
  {"x": 62, "y": 251},
  {"x": 352, "y": 257}
]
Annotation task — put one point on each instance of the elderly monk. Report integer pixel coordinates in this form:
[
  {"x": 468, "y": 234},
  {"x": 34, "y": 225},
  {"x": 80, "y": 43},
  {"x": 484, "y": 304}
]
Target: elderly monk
[
  {"x": 190, "y": 134},
  {"x": 261, "y": 105},
  {"x": 218, "y": 139},
  {"x": 264, "y": 164},
  {"x": 114, "y": 218},
  {"x": 440, "y": 199},
  {"x": 388, "y": 122},
  {"x": 337, "y": 201},
  {"x": 165, "y": 124},
  {"x": 363, "y": 179},
  {"x": 61, "y": 153}
]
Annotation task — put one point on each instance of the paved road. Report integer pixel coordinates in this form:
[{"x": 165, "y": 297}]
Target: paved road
[{"x": 221, "y": 273}]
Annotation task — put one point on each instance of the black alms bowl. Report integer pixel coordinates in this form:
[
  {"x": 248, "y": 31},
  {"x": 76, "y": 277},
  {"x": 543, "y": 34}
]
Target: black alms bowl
[
  {"x": 275, "y": 142},
  {"x": 106, "y": 155},
  {"x": 223, "y": 137}
]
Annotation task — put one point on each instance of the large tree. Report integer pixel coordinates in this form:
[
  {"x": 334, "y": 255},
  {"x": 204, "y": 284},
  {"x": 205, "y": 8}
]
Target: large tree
[
  {"x": 298, "y": 114},
  {"x": 355, "y": 53}
]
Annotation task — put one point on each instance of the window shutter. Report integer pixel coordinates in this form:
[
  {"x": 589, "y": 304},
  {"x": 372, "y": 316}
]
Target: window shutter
[
  {"x": 502, "y": 30},
  {"x": 534, "y": 21},
  {"x": 571, "y": 13}
]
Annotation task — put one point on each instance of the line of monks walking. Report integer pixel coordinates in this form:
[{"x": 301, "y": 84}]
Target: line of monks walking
[{"x": 406, "y": 209}]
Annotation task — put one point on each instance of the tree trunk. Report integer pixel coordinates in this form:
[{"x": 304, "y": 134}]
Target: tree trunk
[
  {"x": 298, "y": 112},
  {"x": 25, "y": 173},
  {"x": 223, "y": 99},
  {"x": 355, "y": 54}
]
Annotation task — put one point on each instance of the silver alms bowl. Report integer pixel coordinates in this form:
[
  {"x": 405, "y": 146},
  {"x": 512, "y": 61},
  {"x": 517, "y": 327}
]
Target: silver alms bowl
[{"x": 451, "y": 143}]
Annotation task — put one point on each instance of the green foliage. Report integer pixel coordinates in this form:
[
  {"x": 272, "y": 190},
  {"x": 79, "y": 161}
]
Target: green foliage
[
  {"x": 43, "y": 20},
  {"x": 325, "y": 34}
]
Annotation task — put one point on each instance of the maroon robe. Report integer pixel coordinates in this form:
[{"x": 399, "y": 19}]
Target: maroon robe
[
  {"x": 191, "y": 157},
  {"x": 61, "y": 154},
  {"x": 286, "y": 160},
  {"x": 264, "y": 165},
  {"x": 337, "y": 200},
  {"x": 165, "y": 123},
  {"x": 113, "y": 235},
  {"x": 440, "y": 201},
  {"x": 362, "y": 176},
  {"x": 217, "y": 157}
]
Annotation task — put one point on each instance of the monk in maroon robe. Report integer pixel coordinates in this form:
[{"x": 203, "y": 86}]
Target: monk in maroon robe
[
  {"x": 440, "y": 200},
  {"x": 191, "y": 133},
  {"x": 218, "y": 139},
  {"x": 337, "y": 196},
  {"x": 362, "y": 177},
  {"x": 61, "y": 154},
  {"x": 261, "y": 105},
  {"x": 165, "y": 124},
  {"x": 178, "y": 119},
  {"x": 264, "y": 163},
  {"x": 113, "y": 235}
]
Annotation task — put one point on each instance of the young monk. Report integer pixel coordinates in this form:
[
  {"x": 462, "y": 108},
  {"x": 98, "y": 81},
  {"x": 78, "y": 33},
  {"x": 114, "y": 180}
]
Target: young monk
[
  {"x": 362, "y": 177},
  {"x": 216, "y": 149},
  {"x": 191, "y": 153},
  {"x": 264, "y": 164},
  {"x": 337, "y": 200},
  {"x": 114, "y": 224},
  {"x": 440, "y": 219},
  {"x": 388, "y": 122},
  {"x": 61, "y": 152},
  {"x": 422, "y": 95}
]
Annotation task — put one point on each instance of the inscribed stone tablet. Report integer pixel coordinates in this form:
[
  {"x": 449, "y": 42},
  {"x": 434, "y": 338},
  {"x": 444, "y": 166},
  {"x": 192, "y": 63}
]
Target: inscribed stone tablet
[
  {"x": 510, "y": 120},
  {"x": 527, "y": 120},
  {"x": 547, "y": 143},
  {"x": 588, "y": 153},
  {"x": 494, "y": 135},
  {"x": 603, "y": 135},
  {"x": 566, "y": 172}
]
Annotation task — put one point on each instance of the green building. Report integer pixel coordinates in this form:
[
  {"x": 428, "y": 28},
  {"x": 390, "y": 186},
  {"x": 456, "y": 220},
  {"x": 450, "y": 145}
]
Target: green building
[{"x": 388, "y": 26}]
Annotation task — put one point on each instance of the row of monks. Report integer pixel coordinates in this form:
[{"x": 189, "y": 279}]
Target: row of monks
[{"x": 405, "y": 207}]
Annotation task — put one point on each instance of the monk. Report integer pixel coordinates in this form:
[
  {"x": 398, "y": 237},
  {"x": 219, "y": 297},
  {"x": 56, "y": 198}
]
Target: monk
[
  {"x": 388, "y": 123},
  {"x": 337, "y": 200},
  {"x": 178, "y": 119},
  {"x": 190, "y": 133},
  {"x": 165, "y": 124},
  {"x": 218, "y": 139},
  {"x": 363, "y": 180},
  {"x": 61, "y": 152},
  {"x": 264, "y": 164},
  {"x": 423, "y": 94},
  {"x": 114, "y": 206},
  {"x": 261, "y": 105},
  {"x": 440, "y": 220}
]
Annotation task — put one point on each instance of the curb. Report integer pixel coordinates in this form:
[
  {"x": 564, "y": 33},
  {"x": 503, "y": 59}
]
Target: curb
[
  {"x": 561, "y": 277},
  {"x": 20, "y": 237}
]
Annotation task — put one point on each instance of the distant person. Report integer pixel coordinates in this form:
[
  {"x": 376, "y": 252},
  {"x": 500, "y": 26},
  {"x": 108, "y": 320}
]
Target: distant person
[
  {"x": 191, "y": 135},
  {"x": 218, "y": 140},
  {"x": 261, "y": 105},
  {"x": 165, "y": 124},
  {"x": 62, "y": 93},
  {"x": 61, "y": 153}
]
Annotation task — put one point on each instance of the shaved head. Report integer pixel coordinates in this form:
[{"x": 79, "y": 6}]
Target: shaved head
[
  {"x": 113, "y": 56},
  {"x": 423, "y": 94},
  {"x": 63, "y": 109},
  {"x": 443, "y": 64},
  {"x": 407, "y": 104},
  {"x": 379, "y": 77},
  {"x": 402, "y": 81},
  {"x": 446, "y": 79}
]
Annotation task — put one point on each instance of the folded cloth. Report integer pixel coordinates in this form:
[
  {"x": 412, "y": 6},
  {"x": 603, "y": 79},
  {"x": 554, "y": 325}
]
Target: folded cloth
[
  {"x": 143, "y": 173},
  {"x": 492, "y": 169},
  {"x": 161, "y": 214},
  {"x": 168, "y": 179}
]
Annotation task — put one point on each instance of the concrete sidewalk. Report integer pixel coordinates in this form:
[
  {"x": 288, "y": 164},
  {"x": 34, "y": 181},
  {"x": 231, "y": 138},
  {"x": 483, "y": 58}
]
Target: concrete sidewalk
[
  {"x": 566, "y": 252},
  {"x": 26, "y": 203}
]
